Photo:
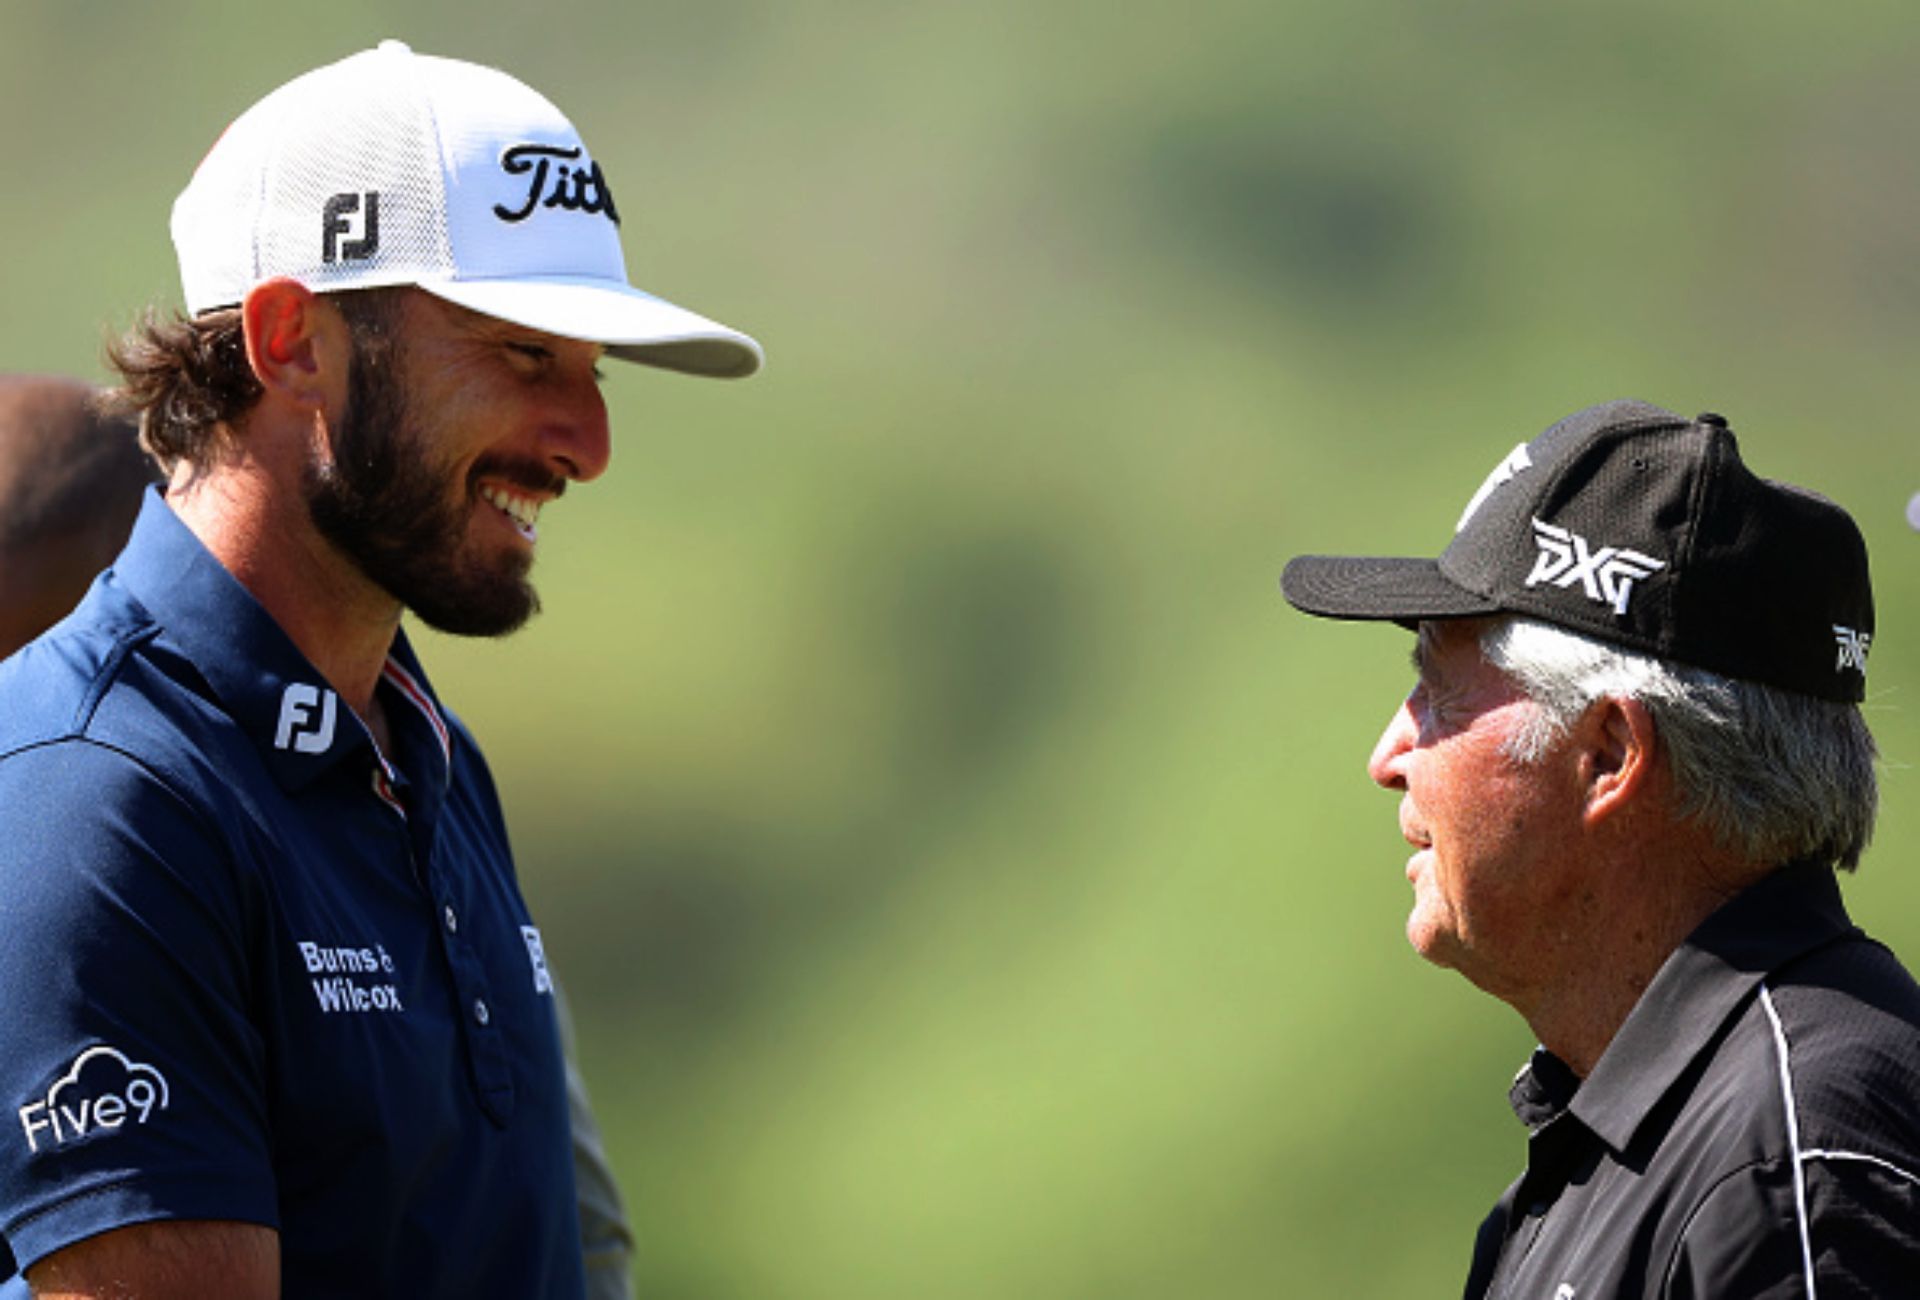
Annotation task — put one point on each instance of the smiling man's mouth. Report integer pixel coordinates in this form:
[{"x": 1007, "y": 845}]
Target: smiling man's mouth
[{"x": 524, "y": 511}]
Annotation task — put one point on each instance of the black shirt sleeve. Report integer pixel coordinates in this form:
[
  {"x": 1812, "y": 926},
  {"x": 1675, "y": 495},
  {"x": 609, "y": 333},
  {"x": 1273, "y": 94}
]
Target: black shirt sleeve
[{"x": 1854, "y": 1227}]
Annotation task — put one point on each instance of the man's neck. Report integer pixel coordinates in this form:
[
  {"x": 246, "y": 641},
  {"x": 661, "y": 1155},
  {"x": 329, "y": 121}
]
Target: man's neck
[
  {"x": 340, "y": 621},
  {"x": 1628, "y": 940}
]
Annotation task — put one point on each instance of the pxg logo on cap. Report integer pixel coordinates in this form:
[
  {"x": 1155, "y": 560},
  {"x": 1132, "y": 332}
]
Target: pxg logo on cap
[{"x": 1606, "y": 574}]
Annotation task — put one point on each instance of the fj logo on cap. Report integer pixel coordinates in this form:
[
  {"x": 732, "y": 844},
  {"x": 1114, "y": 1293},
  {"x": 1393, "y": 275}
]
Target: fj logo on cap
[
  {"x": 299, "y": 730},
  {"x": 555, "y": 179},
  {"x": 1853, "y": 649},
  {"x": 1607, "y": 574},
  {"x": 350, "y": 227}
]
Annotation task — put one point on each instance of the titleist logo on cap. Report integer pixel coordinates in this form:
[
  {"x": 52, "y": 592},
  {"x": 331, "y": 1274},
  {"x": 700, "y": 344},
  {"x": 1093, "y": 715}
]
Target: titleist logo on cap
[{"x": 553, "y": 184}]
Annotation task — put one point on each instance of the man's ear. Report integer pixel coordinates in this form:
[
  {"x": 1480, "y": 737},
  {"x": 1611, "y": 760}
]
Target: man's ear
[
  {"x": 296, "y": 343},
  {"x": 1619, "y": 748}
]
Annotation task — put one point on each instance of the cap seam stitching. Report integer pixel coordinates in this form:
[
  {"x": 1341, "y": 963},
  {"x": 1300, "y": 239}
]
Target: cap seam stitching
[{"x": 1711, "y": 466}]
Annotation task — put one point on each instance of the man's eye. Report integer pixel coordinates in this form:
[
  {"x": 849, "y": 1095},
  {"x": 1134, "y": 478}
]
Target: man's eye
[
  {"x": 532, "y": 351},
  {"x": 1437, "y": 710}
]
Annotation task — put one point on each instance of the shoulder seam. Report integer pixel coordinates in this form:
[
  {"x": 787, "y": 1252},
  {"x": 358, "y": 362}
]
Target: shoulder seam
[
  {"x": 198, "y": 812},
  {"x": 102, "y": 680},
  {"x": 109, "y": 672}
]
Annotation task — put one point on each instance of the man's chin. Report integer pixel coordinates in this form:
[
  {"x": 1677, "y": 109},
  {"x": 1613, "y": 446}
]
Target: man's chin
[
  {"x": 1431, "y": 941},
  {"x": 495, "y": 610}
]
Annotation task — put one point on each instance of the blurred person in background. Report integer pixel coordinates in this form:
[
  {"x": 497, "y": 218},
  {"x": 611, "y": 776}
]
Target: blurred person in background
[
  {"x": 281, "y": 1024},
  {"x": 1630, "y": 767},
  {"x": 73, "y": 474}
]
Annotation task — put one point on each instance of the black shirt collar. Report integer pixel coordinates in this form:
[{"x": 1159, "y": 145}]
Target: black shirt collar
[{"x": 1787, "y": 914}]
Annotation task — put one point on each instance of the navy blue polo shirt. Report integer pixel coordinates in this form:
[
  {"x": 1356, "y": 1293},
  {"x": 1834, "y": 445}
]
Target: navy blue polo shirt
[{"x": 257, "y": 971}]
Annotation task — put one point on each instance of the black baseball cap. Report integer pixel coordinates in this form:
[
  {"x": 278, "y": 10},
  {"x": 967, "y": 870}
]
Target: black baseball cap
[{"x": 1644, "y": 529}]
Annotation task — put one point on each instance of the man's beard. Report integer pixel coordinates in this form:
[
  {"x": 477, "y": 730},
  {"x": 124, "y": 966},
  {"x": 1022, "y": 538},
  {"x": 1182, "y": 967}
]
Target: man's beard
[{"x": 387, "y": 505}]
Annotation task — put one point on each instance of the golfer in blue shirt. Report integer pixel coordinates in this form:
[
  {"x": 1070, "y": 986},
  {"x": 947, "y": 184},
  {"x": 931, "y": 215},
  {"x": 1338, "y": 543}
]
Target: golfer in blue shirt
[{"x": 280, "y": 1022}]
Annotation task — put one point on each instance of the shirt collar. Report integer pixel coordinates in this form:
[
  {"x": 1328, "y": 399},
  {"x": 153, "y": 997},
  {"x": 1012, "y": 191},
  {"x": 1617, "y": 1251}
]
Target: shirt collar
[
  {"x": 402, "y": 673},
  {"x": 1788, "y": 913},
  {"x": 266, "y": 684}
]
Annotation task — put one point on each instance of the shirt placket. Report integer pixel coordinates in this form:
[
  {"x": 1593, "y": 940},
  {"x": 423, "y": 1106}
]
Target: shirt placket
[
  {"x": 418, "y": 805},
  {"x": 1551, "y": 1152}
]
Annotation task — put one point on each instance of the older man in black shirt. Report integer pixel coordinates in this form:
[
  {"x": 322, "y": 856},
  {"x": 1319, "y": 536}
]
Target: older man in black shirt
[{"x": 1631, "y": 765}]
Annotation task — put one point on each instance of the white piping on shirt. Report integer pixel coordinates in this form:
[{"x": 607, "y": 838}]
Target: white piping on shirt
[
  {"x": 1793, "y": 1140},
  {"x": 1876, "y": 1161}
]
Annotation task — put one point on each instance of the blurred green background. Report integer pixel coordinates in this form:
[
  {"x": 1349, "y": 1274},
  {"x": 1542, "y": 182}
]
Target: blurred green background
[{"x": 959, "y": 856}]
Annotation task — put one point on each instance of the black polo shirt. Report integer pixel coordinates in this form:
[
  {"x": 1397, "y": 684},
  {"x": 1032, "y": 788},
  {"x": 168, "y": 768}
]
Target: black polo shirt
[{"x": 1752, "y": 1131}]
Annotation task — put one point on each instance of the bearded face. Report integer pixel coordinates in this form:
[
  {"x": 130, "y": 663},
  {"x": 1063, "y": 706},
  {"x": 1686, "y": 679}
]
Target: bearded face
[{"x": 404, "y": 511}]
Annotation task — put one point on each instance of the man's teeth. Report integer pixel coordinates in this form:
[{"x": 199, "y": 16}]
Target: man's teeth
[{"x": 523, "y": 510}]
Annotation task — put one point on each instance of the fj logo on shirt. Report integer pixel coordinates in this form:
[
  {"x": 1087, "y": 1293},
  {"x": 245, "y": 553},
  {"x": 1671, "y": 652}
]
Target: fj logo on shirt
[
  {"x": 537, "y": 954},
  {"x": 1853, "y": 649},
  {"x": 102, "y": 1093},
  {"x": 1607, "y": 574},
  {"x": 299, "y": 728}
]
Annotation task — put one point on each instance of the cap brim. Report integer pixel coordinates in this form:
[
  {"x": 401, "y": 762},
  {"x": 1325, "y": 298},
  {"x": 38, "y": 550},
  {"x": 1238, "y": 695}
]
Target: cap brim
[
  {"x": 1389, "y": 589},
  {"x": 634, "y": 326}
]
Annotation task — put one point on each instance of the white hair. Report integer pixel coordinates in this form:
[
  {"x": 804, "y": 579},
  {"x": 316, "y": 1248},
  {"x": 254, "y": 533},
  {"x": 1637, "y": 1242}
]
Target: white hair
[{"x": 1774, "y": 774}]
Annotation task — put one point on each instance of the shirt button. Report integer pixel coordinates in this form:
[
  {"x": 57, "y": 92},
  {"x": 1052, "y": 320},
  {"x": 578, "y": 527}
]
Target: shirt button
[
  {"x": 480, "y": 1012},
  {"x": 453, "y": 922}
]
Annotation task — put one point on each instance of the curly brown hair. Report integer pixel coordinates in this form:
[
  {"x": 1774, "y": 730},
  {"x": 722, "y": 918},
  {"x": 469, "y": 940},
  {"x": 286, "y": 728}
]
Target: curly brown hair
[{"x": 188, "y": 381}]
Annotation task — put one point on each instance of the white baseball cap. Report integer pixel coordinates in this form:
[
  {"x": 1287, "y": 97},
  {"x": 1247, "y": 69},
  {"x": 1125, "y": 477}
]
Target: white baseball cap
[{"x": 391, "y": 167}]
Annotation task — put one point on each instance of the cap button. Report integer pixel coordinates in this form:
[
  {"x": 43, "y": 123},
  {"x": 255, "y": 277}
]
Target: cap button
[
  {"x": 1713, "y": 418},
  {"x": 392, "y": 46}
]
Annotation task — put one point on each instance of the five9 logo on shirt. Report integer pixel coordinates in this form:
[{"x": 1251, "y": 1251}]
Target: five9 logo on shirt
[{"x": 103, "y": 1091}]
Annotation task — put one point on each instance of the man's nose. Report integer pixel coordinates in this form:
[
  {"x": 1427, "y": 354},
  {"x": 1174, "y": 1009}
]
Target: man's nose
[
  {"x": 1387, "y": 764},
  {"x": 576, "y": 437}
]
